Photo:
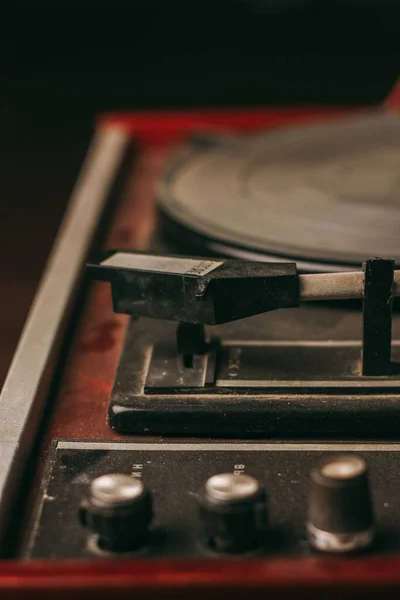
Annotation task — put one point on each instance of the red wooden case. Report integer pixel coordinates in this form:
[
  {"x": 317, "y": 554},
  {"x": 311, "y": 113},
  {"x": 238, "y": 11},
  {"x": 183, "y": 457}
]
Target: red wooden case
[{"x": 79, "y": 411}]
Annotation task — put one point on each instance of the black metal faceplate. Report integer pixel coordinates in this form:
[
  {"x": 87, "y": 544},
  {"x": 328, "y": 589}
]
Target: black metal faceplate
[
  {"x": 176, "y": 472},
  {"x": 293, "y": 371}
]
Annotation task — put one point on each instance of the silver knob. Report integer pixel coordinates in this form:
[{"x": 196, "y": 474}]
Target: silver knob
[
  {"x": 233, "y": 512},
  {"x": 231, "y": 488},
  {"x": 119, "y": 511},
  {"x": 115, "y": 490}
]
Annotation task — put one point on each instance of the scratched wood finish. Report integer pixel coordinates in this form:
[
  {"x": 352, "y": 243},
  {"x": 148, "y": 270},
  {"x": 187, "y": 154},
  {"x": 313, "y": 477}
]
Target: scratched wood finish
[{"x": 81, "y": 407}]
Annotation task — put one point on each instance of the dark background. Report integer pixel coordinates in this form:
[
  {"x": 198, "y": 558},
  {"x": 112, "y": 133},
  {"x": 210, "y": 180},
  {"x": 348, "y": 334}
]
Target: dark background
[{"x": 65, "y": 61}]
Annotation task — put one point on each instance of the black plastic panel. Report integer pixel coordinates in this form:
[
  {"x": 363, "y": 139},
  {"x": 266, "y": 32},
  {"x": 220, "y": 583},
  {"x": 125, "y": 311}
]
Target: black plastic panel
[{"x": 175, "y": 472}]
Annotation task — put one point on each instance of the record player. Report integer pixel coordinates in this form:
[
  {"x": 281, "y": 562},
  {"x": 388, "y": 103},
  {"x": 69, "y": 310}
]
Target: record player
[
  {"x": 288, "y": 204},
  {"x": 229, "y": 389}
]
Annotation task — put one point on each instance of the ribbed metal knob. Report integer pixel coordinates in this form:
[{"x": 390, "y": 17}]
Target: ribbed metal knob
[
  {"x": 340, "y": 515},
  {"x": 233, "y": 512},
  {"x": 119, "y": 510}
]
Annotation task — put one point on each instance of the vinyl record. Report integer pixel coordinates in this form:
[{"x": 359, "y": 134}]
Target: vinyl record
[{"x": 326, "y": 196}]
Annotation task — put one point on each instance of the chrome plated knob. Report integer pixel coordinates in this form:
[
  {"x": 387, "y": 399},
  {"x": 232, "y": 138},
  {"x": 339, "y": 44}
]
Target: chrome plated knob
[
  {"x": 233, "y": 512},
  {"x": 119, "y": 510}
]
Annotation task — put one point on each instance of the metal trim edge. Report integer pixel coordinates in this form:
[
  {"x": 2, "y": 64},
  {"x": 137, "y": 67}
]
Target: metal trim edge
[{"x": 23, "y": 396}]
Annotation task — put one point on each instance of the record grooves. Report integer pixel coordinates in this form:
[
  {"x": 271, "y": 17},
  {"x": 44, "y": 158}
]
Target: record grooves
[{"x": 312, "y": 194}]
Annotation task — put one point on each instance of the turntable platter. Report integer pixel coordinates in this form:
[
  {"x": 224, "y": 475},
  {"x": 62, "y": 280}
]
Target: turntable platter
[{"x": 319, "y": 194}]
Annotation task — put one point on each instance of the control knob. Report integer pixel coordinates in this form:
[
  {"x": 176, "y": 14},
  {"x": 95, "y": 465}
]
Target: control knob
[
  {"x": 340, "y": 516},
  {"x": 119, "y": 510},
  {"x": 233, "y": 511}
]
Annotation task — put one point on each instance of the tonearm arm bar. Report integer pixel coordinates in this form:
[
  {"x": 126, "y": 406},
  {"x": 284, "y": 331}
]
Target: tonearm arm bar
[{"x": 337, "y": 286}]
